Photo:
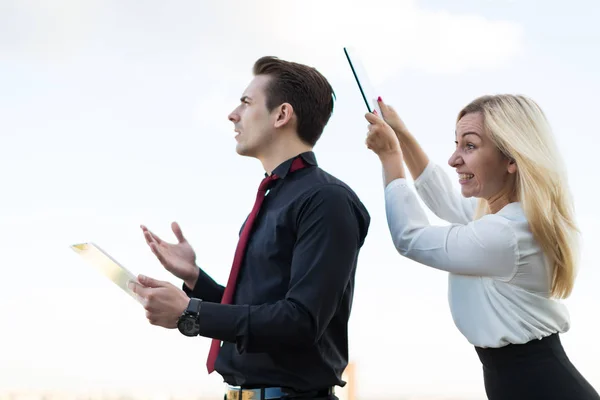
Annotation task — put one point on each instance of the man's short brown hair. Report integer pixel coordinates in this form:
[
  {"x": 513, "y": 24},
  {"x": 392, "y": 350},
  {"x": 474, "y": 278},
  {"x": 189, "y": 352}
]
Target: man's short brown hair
[{"x": 305, "y": 88}]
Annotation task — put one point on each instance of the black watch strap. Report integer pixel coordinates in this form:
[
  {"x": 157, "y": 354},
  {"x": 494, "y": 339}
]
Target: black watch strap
[{"x": 194, "y": 306}]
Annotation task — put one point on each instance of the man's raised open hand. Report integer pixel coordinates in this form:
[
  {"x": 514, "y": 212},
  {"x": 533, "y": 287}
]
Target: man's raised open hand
[{"x": 177, "y": 258}]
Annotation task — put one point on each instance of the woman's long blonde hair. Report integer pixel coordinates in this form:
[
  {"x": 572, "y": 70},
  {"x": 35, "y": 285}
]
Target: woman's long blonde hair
[{"x": 521, "y": 131}]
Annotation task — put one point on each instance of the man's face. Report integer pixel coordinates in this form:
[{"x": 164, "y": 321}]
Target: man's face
[{"x": 252, "y": 121}]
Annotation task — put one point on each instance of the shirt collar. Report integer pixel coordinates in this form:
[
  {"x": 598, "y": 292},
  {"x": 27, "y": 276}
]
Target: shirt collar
[
  {"x": 511, "y": 209},
  {"x": 284, "y": 168}
]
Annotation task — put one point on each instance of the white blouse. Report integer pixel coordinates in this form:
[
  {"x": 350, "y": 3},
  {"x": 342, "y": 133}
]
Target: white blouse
[{"x": 499, "y": 280}]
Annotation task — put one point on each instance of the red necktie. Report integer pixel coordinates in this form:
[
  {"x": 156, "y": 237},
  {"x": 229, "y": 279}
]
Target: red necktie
[{"x": 298, "y": 163}]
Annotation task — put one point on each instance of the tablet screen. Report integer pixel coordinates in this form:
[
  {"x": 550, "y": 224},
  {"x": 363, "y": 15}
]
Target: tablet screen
[
  {"x": 365, "y": 87},
  {"x": 109, "y": 267}
]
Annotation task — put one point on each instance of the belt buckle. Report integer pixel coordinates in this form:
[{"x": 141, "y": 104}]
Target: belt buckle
[{"x": 235, "y": 393}]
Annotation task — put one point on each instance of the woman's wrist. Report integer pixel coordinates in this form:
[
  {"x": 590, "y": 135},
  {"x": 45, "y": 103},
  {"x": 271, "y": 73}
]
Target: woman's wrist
[
  {"x": 391, "y": 156},
  {"x": 393, "y": 166},
  {"x": 403, "y": 135}
]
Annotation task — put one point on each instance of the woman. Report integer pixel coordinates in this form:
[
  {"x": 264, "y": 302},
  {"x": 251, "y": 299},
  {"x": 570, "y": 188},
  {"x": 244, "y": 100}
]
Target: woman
[{"x": 510, "y": 255}]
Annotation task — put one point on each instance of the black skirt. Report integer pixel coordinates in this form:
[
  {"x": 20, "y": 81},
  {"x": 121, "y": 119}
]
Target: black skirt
[{"x": 537, "y": 370}]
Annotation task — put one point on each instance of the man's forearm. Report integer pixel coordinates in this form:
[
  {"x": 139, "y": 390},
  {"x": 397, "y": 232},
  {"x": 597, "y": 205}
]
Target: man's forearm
[
  {"x": 203, "y": 287},
  {"x": 259, "y": 328}
]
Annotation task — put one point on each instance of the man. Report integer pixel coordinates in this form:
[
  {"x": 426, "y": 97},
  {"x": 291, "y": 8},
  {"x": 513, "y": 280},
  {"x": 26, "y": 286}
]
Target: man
[{"x": 283, "y": 318}]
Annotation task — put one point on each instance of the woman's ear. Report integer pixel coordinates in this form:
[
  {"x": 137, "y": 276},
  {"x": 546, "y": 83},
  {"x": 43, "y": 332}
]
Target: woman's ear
[{"x": 512, "y": 166}]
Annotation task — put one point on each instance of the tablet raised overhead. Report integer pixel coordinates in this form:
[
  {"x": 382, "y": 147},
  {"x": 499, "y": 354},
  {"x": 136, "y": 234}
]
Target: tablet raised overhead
[
  {"x": 364, "y": 83},
  {"x": 108, "y": 266}
]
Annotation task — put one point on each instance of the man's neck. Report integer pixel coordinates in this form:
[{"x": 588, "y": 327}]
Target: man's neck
[{"x": 281, "y": 152}]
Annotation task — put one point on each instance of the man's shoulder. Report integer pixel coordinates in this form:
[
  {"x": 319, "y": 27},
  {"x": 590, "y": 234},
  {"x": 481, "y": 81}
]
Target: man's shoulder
[
  {"x": 325, "y": 183},
  {"x": 324, "y": 190},
  {"x": 321, "y": 196}
]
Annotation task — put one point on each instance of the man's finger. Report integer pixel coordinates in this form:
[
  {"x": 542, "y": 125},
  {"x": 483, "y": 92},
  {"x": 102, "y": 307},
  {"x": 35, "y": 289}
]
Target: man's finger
[
  {"x": 157, "y": 253},
  {"x": 155, "y": 237},
  {"x": 145, "y": 232},
  {"x": 150, "y": 282},
  {"x": 138, "y": 289},
  {"x": 148, "y": 237},
  {"x": 148, "y": 234},
  {"x": 177, "y": 231}
]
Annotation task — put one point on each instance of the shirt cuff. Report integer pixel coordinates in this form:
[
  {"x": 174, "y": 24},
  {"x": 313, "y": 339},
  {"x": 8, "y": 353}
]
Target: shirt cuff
[
  {"x": 187, "y": 290},
  {"x": 205, "y": 289},
  {"x": 225, "y": 322},
  {"x": 399, "y": 182}
]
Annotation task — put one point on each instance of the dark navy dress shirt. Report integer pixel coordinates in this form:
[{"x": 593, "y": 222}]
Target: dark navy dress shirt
[{"x": 288, "y": 324}]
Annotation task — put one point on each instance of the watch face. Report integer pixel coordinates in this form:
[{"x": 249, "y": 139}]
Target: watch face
[{"x": 188, "y": 325}]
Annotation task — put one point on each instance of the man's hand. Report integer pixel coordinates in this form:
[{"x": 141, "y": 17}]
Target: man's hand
[
  {"x": 179, "y": 259},
  {"x": 164, "y": 303}
]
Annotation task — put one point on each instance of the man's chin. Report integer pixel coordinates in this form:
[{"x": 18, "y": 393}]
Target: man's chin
[{"x": 243, "y": 150}]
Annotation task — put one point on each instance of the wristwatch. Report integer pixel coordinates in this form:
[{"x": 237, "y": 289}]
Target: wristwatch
[{"x": 188, "y": 323}]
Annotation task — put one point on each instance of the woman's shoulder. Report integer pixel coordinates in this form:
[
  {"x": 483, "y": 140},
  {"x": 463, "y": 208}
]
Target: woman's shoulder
[
  {"x": 510, "y": 215},
  {"x": 513, "y": 218},
  {"x": 508, "y": 228},
  {"x": 510, "y": 224},
  {"x": 512, "y": 212}
]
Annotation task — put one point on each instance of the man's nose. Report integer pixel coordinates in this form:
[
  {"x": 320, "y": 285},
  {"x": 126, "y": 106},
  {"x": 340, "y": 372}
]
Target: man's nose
[{"x": 233, "y": 117}]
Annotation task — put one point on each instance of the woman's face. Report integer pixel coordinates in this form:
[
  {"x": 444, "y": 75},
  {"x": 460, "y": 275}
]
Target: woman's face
[{"x": 483, "y": 171}]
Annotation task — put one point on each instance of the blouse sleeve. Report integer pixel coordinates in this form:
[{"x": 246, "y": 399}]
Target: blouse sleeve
[
  {"x": 484, "y": 247},
  {"x": 435, "y": 189}
]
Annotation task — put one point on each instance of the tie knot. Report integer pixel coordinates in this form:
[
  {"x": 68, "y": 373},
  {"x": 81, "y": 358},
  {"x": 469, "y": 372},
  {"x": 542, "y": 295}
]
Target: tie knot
[{"x": 267, "y": 182}]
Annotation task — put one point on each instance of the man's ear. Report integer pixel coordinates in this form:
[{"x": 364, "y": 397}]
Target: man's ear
[{"x": 284, "y": 115}]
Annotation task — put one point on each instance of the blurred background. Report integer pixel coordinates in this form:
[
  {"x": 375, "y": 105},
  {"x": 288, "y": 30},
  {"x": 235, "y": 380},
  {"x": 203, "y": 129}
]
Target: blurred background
[{"x": 114, "y": 114}]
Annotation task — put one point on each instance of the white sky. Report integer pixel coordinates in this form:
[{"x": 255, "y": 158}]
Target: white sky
[{"x": 114, "y": 114}]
